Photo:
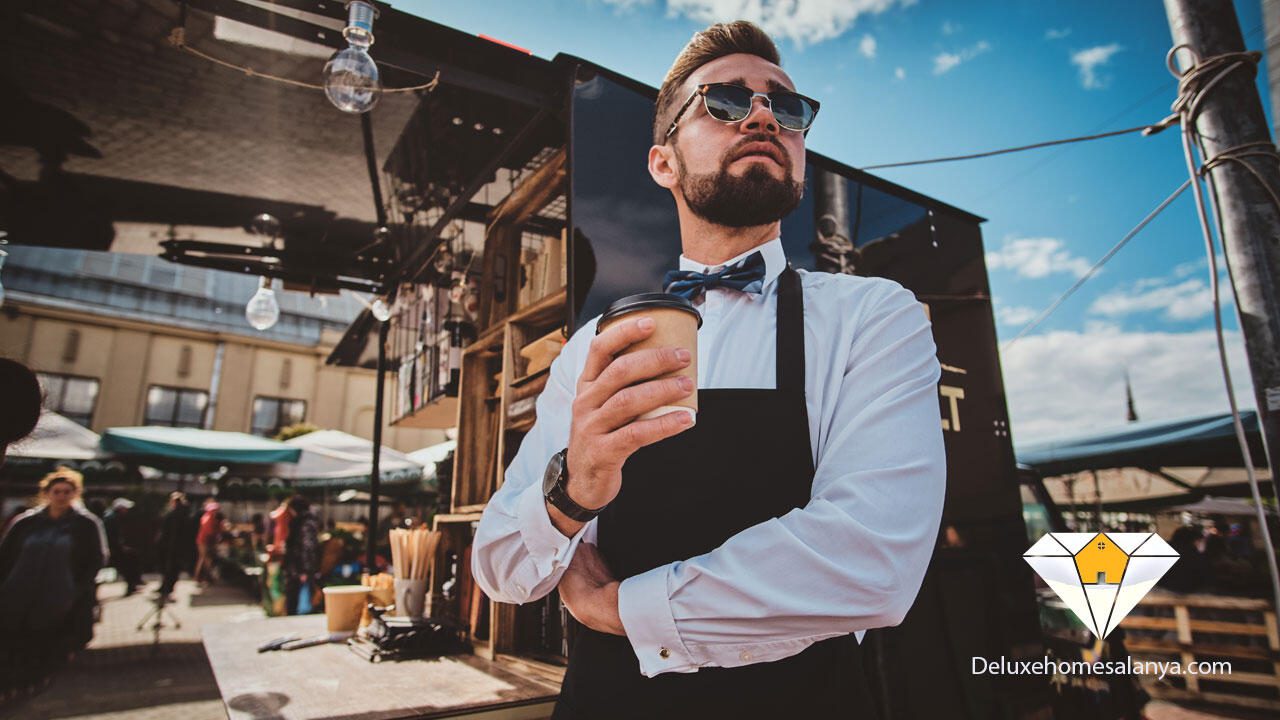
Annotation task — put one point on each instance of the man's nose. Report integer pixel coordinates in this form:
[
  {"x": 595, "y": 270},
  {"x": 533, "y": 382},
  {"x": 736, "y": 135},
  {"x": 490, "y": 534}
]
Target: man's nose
[{"x": 761, "y": 118}]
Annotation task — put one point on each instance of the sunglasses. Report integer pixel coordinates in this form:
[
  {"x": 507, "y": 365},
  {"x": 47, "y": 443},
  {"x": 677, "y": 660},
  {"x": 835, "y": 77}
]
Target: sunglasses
[{"x": 731, "y": 103}]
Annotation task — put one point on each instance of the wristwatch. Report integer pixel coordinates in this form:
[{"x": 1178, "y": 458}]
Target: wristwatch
[{"x": 555, "y": 489}]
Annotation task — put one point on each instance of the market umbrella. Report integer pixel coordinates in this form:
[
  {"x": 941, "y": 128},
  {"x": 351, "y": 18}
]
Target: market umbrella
[
  {"x": 332, "y": 458},
  {"x": 194, "y": 450},
  {"x": 58, "y": 438}
]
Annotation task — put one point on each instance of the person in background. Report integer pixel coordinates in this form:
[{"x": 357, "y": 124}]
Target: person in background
[
  {"x": 21, "y": 391},
  {"x": 49, "y": 560},
  {"x": 207, "y": 541},
  {"x": 169, "y": 543},
  {"x": 301, "y": 566},
  {"x": 118, "y": 523}
]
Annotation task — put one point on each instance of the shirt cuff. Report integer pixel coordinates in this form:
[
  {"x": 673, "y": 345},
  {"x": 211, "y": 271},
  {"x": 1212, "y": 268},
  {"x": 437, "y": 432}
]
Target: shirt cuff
[
  {"x": 644, "y": 606},
  {"x": 548, "y": 548}
]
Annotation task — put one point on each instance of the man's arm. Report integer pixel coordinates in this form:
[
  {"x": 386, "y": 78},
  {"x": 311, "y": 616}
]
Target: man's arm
[
  {"x": 854, "y": 557},
  {"x": 521, "y": 549}
]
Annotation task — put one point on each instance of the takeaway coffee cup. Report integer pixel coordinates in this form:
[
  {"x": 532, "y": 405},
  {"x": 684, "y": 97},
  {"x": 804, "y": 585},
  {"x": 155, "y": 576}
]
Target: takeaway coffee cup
[
  {"x": 676, "y": 323},
  {"x": 343, "y": 605}
]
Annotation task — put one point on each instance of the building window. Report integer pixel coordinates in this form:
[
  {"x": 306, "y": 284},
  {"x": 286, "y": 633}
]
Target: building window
[
  {"x": 271, "y": 415},
  {"x": 70, "y": 396},
  {"x": 176, "y": 407}
]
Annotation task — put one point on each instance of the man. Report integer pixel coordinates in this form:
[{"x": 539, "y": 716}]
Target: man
[
  {"x": 729, "y": 567},
  {"x": 169, "y": 543},
  {"x": 121, "y": 528}
]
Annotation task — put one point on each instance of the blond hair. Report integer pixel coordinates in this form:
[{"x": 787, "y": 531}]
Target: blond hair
[
  {"x": 62, "y": 474},
  {"x": 715, "y": 42}
]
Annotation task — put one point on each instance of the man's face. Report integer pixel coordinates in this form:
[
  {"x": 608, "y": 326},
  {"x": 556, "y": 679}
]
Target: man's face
[{"x": 740, "y": 174}]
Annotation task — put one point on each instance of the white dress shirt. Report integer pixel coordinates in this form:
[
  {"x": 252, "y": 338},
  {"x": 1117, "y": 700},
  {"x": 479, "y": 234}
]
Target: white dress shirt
[{"x": 852, "y": 559}]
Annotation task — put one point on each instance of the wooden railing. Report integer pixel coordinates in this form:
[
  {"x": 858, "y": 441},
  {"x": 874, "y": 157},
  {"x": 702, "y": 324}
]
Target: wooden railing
[{"x": 1205, "y": 628}]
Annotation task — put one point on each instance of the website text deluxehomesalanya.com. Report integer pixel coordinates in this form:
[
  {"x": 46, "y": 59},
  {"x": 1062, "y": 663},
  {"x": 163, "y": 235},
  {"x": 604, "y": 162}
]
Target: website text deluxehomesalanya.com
[{"x": 1128, "y": 666}]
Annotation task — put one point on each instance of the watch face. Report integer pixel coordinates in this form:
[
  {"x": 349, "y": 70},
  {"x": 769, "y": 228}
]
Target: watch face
[{"x": 554, "y": 468}]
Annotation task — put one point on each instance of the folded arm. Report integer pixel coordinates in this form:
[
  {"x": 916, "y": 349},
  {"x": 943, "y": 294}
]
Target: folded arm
[{"x": 853, "y": 558}]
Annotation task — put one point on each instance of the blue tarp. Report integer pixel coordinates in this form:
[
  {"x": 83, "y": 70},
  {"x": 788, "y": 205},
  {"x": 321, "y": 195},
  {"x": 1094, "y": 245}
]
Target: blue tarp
[
  {"x": 166, "y": 446},
  {"x": 1204, "y": 441}
]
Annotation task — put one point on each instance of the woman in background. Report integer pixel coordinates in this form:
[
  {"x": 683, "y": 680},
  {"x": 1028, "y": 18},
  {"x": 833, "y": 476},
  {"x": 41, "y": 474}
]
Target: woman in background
[{"x": 49, "y": 560}]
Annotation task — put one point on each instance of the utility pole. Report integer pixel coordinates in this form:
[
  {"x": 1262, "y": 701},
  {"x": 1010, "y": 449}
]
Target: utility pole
[{"x": 1231, "y": 117}]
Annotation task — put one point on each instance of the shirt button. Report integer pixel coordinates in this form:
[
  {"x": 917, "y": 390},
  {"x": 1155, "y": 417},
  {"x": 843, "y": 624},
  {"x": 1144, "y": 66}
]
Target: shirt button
[
  {"x": 745, "y": 655},
  {"x": 664, "y": 653}
]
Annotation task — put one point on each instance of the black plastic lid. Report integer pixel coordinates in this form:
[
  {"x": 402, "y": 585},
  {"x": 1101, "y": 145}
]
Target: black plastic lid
[{"x": 645, "y": 301}]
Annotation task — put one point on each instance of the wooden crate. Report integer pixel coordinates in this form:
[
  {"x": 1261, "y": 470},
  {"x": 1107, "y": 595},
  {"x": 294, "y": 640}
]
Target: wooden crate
[{"x": 1198, "y": 628}]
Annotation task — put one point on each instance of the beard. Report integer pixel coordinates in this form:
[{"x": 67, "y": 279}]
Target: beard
[{"x": 753, "y": 198}]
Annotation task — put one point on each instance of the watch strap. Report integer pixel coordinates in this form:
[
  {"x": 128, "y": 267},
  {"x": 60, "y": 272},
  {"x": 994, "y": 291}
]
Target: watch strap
[{"x": 558, "y": 495}]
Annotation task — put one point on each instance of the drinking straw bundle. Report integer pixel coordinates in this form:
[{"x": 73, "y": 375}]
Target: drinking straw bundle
[{"x": 412, "y": 552}]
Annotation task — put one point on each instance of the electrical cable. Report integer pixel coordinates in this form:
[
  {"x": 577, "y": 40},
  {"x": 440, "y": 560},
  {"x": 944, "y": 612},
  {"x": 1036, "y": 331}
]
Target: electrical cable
[
  {"x": 1144, "y": 129},
  {"x": 1098, "y": 265},
  {"x": 1191, "y": 96},
  {"x": 178, "y": 39}
]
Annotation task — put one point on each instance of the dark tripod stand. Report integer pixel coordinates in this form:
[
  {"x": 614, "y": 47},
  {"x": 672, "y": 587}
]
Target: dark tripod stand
[{"x": 159, "y": 609}]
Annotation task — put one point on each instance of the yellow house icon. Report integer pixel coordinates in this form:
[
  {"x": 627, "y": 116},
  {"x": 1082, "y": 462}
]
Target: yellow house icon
[{"x": 1101, "y": 561}]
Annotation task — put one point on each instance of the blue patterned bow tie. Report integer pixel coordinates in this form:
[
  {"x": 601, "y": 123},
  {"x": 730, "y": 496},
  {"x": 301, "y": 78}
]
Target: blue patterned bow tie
[{"x": 746, "y": 275}]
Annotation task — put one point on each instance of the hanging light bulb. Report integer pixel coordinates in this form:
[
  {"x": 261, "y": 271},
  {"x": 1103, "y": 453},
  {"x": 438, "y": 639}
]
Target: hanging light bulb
[
  {"x": 262, "y": 310},
  {"x": 351, "y": 76},
  {"x": 380, "y": 310}
]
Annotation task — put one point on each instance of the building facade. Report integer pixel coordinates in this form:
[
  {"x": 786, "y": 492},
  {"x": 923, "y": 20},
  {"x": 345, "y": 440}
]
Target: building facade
[{"x": 124, "y": 340}]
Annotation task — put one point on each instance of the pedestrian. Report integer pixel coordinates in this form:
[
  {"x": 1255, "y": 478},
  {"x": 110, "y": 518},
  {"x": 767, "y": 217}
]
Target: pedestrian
[
  {"x": 49, "y": 561},
  {"x": 119, "y": 523},
  {"x": 207, "y": 537},
  {"x": 21, "y": 391},
  {"x": 301, "y": 566},
  {"x": 169, "y": 543},
  {"x": 729, "y": 568}
]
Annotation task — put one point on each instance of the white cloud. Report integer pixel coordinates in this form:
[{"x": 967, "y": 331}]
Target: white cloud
[
  {"x": 1090, "y": 60},
  {"x": 1015, "y": 315},
  {"x": 804, "y": 22},
  {"x": 1056, "y": 33},
  {"x": 900, "y": 73},
  {"x": 949, "y": 28},
  {"x": 1183, "y": 294},
  {"x": 1188, "y": 300},
  {"x": 867, "y": 46},
  {"x": 1036, "y": 258},
  {"x": 1061, "y": 383},
  {"x": 945, "y": 62}
]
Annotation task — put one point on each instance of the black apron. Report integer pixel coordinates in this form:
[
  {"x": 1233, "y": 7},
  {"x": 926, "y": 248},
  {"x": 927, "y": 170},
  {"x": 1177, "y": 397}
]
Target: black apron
[{"x": 747, "y": 460}]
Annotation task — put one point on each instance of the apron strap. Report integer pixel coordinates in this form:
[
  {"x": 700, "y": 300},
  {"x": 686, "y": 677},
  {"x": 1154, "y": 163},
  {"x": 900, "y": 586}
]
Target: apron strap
[{"x": 790, "y": 334}]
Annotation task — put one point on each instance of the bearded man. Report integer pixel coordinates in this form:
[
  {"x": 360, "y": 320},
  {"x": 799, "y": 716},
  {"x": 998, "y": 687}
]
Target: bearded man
[{"x": 729, "y": 565}]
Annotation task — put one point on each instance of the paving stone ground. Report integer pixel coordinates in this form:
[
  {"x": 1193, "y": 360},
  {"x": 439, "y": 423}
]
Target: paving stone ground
[{"x": 123, "y": 674}]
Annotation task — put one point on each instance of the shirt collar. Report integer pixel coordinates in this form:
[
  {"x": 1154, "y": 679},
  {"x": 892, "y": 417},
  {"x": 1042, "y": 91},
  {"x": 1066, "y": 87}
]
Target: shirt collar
[{"x": 775, "y": 261}]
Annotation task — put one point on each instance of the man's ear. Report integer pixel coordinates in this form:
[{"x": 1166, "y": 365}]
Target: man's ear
[{"x": 663, "y": 166}]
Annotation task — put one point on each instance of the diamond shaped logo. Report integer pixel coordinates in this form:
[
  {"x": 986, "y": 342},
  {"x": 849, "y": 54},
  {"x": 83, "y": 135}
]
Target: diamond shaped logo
[{"x": 1101, "y": 576}]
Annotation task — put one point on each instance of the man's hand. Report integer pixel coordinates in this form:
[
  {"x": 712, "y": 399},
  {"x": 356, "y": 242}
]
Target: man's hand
[
  {"x": 612, "y": 392},
  {"x": 589, "y": 591}
]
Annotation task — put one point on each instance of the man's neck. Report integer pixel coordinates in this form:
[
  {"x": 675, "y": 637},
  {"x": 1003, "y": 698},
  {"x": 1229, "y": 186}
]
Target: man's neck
[{"x": 712, "y": 245}]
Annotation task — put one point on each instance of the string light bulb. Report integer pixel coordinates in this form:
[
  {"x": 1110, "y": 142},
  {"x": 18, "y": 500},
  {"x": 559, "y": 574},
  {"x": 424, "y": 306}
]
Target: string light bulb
[
  {"x": 351, "y": 77},
  {"x": 262, "y": 311},
  {"x": 380, "y": 310}
]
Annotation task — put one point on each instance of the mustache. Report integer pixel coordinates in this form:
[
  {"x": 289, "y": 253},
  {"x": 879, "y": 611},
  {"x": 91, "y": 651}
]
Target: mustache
[{"x": 736, "y": 152}]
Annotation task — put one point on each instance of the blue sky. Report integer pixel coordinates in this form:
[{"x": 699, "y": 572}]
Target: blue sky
[{"x": 921, "y": 78}]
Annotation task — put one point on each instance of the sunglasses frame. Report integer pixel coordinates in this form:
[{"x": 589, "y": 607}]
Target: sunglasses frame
[{"x": 702, "y": 90}]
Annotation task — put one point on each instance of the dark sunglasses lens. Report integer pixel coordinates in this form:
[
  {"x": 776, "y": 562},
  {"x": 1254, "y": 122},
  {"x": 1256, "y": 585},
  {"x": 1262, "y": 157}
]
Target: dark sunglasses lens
[
  {"x": 792, "y": 111},
  {"x": 728, "y": 103}
]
